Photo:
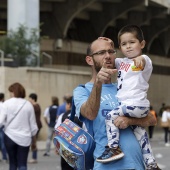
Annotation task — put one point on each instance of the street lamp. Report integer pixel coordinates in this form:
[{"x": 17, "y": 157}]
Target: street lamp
[
  {"x": 49, "y": 57},
  {"x": 38, "y": 57},
  {"x": 2, "y": 57}
]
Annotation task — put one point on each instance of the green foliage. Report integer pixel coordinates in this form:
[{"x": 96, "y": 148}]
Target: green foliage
[{"x": 20, "y": 44}]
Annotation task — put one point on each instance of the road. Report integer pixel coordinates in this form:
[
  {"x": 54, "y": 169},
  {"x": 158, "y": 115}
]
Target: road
[{"x": 52, "y": 162}]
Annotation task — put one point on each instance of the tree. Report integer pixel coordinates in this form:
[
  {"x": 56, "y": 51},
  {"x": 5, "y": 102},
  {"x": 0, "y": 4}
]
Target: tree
[{"x": 20, "y": 46}]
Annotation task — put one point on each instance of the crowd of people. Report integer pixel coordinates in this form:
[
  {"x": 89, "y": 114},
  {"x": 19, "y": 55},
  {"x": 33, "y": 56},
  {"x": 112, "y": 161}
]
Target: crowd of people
[
  {"x": 20, "y": 124},
  {"x": 116, "y": 114}
]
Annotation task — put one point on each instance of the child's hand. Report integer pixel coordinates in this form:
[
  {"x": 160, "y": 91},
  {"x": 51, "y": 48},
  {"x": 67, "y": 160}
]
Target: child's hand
[{"x": 139, "y": 62}]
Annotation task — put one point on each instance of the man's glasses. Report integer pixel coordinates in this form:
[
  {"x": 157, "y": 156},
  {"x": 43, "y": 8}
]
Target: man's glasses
[{"x": 103, "y": 52}]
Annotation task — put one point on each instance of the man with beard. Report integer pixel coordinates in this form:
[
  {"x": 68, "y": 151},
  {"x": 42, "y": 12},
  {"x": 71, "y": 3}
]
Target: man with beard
[{"x": 94, "y": 107}]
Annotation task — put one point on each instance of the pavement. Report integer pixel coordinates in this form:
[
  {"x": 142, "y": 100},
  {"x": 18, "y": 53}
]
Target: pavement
[
  {"x": 52, "y": 162},
  {"x": 41, "y": 145}
]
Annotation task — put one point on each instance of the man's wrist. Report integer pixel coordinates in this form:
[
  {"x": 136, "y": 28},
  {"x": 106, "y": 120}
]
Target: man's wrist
[
  {"x": 143, "y": 122},
  {"x": 98, "y": 83},
  {"x": 131, "y": 121},
  {"x": 136, "y": 121}
]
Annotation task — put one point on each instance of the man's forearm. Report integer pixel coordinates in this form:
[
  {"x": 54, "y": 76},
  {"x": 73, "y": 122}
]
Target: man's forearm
[
  {"x": 149, "y": 120},
  {"x": 123, "y": 122},
  {"x": 91, "y": 107}
]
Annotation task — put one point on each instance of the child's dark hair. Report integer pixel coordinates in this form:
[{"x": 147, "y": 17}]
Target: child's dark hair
[{"x": 131, "y": 29}]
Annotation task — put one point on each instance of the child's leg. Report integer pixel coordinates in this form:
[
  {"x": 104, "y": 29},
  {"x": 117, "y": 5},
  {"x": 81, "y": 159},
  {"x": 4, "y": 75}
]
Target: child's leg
[
  {"x": 112, "y": 151},
  {"x": 142, "y": 137},
  {"x": 111, "y": 129},
  {"x": 135, "y": 111},
  {"x": 141, "y": 134},
  {"x": 121, "y": 110}
]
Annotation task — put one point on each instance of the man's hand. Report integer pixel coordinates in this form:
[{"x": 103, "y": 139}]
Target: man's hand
[
  {"x": 139, "y": 62},
  {"x": 104, "y": 74}
]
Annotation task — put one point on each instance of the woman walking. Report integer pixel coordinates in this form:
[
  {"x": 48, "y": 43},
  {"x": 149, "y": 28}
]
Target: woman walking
[{"x": 17, "y": 114}]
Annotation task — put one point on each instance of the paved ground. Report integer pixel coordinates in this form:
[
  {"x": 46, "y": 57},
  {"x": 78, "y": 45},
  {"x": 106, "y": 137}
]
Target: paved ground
[
  {"x": 44, "y": 163},
  {"x": 161, "y": 153}
]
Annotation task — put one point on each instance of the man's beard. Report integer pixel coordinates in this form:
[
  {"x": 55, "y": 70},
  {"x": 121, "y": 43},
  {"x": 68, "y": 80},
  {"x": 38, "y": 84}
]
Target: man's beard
[{"x": 97, "y": 66}]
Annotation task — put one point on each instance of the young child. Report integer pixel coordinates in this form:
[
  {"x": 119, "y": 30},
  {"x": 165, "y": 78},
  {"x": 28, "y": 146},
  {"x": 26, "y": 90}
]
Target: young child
[{"x": 132, "y": 95}]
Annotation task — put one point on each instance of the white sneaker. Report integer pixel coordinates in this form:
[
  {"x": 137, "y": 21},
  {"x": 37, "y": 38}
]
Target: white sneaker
[
  {"x": 167, "y": 144},
  {"x": 32, "y": 161}
]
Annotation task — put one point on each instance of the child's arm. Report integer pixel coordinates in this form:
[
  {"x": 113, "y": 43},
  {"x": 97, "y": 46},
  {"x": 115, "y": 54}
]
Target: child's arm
[{"x": 140, "y": 62}]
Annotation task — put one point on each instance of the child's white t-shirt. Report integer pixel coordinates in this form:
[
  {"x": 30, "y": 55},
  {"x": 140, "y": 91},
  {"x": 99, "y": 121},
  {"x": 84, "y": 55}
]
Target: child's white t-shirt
[{"x": 132, "y": 82}]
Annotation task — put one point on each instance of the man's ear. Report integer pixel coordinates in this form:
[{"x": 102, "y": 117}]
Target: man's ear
[
  {"x": 89, "y": 60},
  {"x": 143, "y": 44}
]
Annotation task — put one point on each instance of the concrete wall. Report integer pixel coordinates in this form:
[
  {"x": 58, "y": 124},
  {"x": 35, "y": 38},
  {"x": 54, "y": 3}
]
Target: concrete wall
[
  {"x": 44, "y": 82},
  {"x": 159, "y": 91}
]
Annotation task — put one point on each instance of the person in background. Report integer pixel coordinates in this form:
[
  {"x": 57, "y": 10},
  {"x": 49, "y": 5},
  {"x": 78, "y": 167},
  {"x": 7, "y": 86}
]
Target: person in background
[
  {"x": 2, "y": 144},
  {"x": 161, "y": 109},
  {"x": 17, "y": 114},
  {"x": 61, "y": 118},
  {"x": 101, "y": 100},
  {"x": 165, "y": 118},
  {"x": 37, "y": 109},
  {"x": 62, "y": 108},
  {"x": 50, "y": 119},
  {"x": 151, "y": 128}
]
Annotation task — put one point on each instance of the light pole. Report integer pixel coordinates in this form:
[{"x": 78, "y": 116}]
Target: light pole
[
  {"x": 38, "y": 57},
  {"x": 2, "y": 57},
  {"x": 49, "y": 57}
]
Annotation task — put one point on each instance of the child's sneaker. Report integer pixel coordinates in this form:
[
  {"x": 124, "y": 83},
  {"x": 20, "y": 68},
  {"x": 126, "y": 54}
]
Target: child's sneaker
[{"x": 110, "y": 154}]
